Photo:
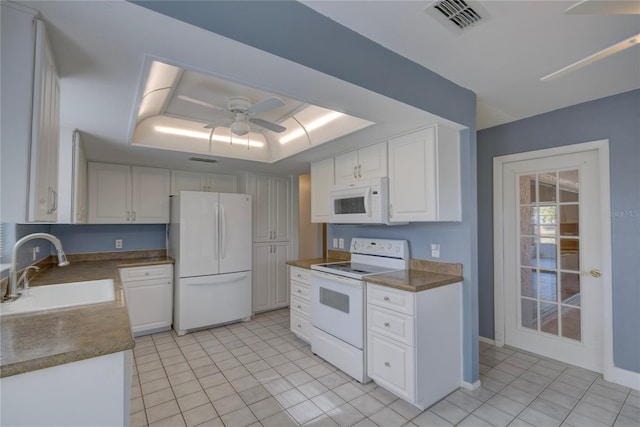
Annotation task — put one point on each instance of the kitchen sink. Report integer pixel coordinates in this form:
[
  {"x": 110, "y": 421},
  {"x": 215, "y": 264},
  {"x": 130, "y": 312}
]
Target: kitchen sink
[{"x": 63, "y": 295}]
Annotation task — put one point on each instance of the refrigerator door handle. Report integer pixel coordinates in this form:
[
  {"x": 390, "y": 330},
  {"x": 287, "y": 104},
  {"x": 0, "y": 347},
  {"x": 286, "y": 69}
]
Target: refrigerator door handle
[
  {"x": 216, "y": 232},
  {"x": 223, "y": 226}
]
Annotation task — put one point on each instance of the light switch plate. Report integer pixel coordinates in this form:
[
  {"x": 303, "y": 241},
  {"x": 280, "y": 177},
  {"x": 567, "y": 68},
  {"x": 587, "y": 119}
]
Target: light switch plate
[
  {"x": 341, "y": 243},
  {"x": 435, "y": 250},
  {"x": 118, "y": 244},
  {"x": 335, "y": 242}
]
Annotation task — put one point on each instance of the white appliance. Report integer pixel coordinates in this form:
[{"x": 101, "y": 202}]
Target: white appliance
[
  {"x": 338, "y": 298},
  {"x": 362, "y": 202},
  {"x": 210, "y": 239}
]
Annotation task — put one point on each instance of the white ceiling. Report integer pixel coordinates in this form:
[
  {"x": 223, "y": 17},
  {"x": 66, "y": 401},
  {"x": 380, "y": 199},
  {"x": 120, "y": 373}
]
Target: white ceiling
[
  {"x": 101, "y": 48},
  {"x": 503, "y": 57}
]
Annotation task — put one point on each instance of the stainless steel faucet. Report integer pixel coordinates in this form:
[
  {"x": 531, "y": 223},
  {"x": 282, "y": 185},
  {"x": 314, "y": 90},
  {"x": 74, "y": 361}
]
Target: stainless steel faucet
[{"x": 12, "y": 288}]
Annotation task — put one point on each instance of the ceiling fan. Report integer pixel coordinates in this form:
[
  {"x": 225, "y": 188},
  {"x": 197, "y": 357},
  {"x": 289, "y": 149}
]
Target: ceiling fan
[
  {"x": 600, "y": 7},
  {"x": 243, "y": 110}
]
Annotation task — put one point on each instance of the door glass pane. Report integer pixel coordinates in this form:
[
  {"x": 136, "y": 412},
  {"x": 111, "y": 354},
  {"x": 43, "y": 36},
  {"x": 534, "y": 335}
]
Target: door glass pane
[
  {"x": 569, "y": 181},
  {"x": 527, "y": 189},
  {"x": 528, "y": 220},
  {"x": 528, "y": 254},
  {"x": 548, "y": 284},
  {"x": 547, "y": 187},
  {"x": 549, "y": 318},
  {"x": 547, "y": 252},
  {"x": 548, "y": 218},
  {"x": 570, "y": 254},
  {"x": 569, "y": 220},
  {"x": 527, "y": 282},
  {"x": 571, "y": 323},
  {"x": 570, "y": 288},
  {"x": 529, "y": 314}
]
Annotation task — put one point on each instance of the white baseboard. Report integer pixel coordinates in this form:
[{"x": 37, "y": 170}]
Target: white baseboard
[
  {"x": 471, "y": 386},
  {"x": 623, "y": 377},
  {"x": 487, "y": 340}
]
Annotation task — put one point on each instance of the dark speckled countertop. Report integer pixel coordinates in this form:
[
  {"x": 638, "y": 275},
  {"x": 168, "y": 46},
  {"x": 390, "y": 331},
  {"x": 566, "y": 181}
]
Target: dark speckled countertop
[
  {"x": 54, "y": 337},
  {"x": 422, "y": 275}
]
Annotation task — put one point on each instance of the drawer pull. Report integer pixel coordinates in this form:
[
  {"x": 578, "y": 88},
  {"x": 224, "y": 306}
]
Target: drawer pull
[
  {"x": 299, "y": 306},
  {"x": 300, "y": 275},
  {"x": 386, "y": 324},
  {"x": 146, "y": 273},
  {"x": 387, "y": 299},
  {"x": 299, "y": 291},
  {"x": 387, "y": 364},
  {"x": 299, "y": 326}
]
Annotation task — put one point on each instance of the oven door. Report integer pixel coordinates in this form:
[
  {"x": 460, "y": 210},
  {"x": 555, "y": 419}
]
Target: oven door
[{"x": 337, "y": 307}]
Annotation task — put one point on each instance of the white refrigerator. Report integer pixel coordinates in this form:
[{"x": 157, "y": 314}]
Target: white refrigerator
[{"x": 210, "y": 240}]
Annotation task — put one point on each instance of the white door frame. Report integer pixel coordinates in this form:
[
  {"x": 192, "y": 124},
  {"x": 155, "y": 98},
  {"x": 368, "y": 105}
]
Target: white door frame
[{"x": 610, "y": 372}]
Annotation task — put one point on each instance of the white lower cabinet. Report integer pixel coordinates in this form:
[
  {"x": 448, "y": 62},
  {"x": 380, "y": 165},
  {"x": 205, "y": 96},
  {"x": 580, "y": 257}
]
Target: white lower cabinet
[
  {"x": 300, "y": 302},
  {"x": 414, "y": 341},
  {"x": 270, "y": 281},
  {"x": 148, "y": 292}
]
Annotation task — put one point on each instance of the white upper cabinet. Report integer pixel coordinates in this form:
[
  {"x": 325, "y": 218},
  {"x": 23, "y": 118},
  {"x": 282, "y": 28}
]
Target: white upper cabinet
[
  {"x": 424, "y": 176},
  {"x": 271, "y": 208},
  {"x": 322, "y": 178},
  {"x": 197, "y": 181},
  {"x": 121, "y": 194},
  {"x": 45, "y": 133},
  {"x": 365, "y": 163}
]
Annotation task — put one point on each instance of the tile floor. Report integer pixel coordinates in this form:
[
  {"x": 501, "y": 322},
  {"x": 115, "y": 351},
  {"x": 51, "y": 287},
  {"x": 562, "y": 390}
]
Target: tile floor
[{"x": 259, "y": 374}]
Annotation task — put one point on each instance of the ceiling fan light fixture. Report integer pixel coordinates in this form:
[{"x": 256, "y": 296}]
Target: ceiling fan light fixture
[{"x": 240, "y": 128}]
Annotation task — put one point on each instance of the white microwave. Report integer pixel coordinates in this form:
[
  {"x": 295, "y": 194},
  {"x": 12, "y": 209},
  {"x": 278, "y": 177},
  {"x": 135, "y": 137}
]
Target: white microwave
[{"x": 362, "y": 202}]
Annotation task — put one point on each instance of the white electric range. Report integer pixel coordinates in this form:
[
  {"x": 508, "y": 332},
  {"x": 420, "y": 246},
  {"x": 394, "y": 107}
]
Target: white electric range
[{"x": 338, "y": 301}]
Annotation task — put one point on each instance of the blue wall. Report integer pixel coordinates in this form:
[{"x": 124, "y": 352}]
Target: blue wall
[
  {"x": 293, "y": 31},
  {"x": 101, "y": 237},
  {"x": 82, "y": 239},
  {"x": 616, "y": 118}
]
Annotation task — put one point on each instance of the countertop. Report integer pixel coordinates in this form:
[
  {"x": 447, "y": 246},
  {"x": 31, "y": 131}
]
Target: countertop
[
  {"x": 49, "y": 338},
  {"x": 422, "y": 275}
]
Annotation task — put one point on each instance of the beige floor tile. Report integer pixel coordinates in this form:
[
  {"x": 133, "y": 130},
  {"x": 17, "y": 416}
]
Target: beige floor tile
[
  {"x": 158, "y": 397},
  {"x": 193, "y": 400},
  {"x": 240, "y": 418},
  {"x": 228, "y": 404},
  {"x": 173, "y": 421},
  {"x": 199, "y": 415},
  {"x": 162, "y": 411}
]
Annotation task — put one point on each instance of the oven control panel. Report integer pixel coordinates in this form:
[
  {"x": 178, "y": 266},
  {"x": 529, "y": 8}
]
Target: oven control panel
[{"x": 380, "y": 247}]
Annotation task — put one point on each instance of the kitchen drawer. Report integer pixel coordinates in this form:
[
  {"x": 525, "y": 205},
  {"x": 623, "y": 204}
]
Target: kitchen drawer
[
  {"x": 300, "y": 325},
  {"x": 391, "y": 299},
  {"x": 391, "y": 324},
  {"x": 301, "y": 290},
  {"x": 300, "y": 274},
  {"x": 301, "y": 306},
  {"x": 130, "y": 274},
  {"x": 391, "y": 365}
]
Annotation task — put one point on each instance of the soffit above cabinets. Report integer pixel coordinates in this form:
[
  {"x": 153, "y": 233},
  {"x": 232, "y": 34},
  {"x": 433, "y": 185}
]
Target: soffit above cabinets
[{"x": 185, "y": 110}]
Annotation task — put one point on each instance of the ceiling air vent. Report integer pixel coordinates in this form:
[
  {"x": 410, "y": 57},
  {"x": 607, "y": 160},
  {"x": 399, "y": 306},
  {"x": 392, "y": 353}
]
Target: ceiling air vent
[{"x": 460, "y": 14}]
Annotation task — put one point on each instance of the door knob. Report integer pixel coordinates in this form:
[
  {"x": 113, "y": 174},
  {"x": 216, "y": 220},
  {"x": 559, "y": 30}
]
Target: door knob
[{"x": 594, "y": 272}]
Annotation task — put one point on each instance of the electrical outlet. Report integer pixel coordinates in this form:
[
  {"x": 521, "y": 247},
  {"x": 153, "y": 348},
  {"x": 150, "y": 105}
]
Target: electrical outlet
[
  {"x": 335, "y": 242},
  {"x": 435, "y": 250},
  {"x": 118, "y": 244},
  {"x": 341, "y": 243}
]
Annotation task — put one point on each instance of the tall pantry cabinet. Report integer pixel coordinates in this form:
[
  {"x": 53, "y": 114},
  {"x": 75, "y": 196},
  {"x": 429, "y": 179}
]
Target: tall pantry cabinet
[{"x": 271, "y": 240}]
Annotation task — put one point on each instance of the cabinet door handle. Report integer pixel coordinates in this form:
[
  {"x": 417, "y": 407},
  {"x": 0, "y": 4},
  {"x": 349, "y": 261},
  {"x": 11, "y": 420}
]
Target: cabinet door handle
[
  {"x": 359, "y": 171},
  {"x": 55, "y": 200},
  {"x": 387, "y": 364},
  {"x": 390, "y": 210},
  {"x": 49, "y": 198},
  {"x": 128, "y": 216},
  {"x": 386, "y": 324},
  {"x": 355, "y": 172},
  {"x": 134, "y": 215},
  {"x": 387, "y": 299}
]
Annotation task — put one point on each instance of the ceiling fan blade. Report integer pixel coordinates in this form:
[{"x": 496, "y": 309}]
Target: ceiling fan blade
[
  {"x": 618, "y": 47},
  {"x": 268, "y": 125},
  {"x": 200, "y": 102},
  {"x": 600, "y": 7},
  {"x": 265, "y": 105}
]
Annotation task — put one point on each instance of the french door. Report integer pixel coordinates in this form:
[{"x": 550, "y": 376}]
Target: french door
[{"x": 553, "y": 294}]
